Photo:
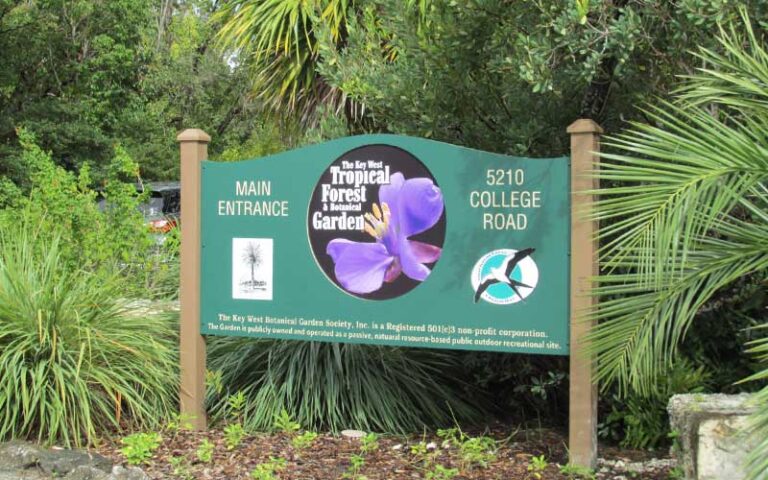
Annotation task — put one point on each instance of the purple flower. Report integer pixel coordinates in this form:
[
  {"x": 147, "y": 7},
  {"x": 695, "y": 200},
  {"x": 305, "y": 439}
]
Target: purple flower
[{"x": 408, "y": 207}]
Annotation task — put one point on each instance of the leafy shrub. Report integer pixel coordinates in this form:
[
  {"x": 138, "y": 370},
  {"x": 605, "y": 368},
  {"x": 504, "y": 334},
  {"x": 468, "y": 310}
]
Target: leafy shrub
[
  {"x": 336, "y": 386},
  {"x": 640, "y": 421},
  {"x": 526, "y": 388},
  {"x": 537, "y": 466},
  {"x": 109, "y": 241},
  {"x": 204, "y": 452},
  {"x": 139, "y": 447},
  {"x": 284, "y": 423},
  {"x": 645, "y": 416},
  {"x": 268, "y": 470},
  {"x": 439, "y": 472},
  {"x": 76, "y": 359},
  {"x": 178, "y": 423},
  {"x": 233, "y": 435},
  {"x": 304, "y": 441},
  {"x": 476, "y": 451}
]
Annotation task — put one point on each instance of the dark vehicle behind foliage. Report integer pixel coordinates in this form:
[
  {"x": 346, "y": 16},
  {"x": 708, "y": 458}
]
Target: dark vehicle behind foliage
[{"x": 162, "y": 209}]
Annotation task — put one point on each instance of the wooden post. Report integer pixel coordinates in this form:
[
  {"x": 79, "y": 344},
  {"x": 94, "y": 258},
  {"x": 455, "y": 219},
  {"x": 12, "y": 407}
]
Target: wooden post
[
  {"x": 194, "y": 149},
  {"x": 582, "y": 415}
]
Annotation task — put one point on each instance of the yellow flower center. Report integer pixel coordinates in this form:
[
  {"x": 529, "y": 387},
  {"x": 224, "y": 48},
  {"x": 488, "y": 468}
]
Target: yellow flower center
[{"x": 376, "y": 223}]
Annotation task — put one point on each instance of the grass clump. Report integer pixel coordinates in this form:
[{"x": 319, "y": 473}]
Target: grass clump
[
  {"x": 328, "y": 386},
  {"x": 76, "y": 358}
]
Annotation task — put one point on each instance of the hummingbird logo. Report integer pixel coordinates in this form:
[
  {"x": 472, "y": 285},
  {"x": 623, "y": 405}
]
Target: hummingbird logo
[{"x": 505, "y": 276}]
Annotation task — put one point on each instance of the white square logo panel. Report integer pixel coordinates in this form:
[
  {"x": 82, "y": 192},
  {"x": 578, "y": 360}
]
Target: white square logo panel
[{"x": 252, "y": 263}]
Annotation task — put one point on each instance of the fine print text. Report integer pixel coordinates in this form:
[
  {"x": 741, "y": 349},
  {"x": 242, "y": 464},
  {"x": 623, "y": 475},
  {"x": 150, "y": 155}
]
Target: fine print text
[{"x": 335, "y": 330}]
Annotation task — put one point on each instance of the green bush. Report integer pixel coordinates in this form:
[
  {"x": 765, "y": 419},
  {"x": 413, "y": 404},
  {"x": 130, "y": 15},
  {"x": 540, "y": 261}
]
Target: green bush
[
  {"x": 115, "y": 240},
  {"x": 640, "y": 421},
  {"x": 526, "y": 389},
  {"x": 77, "y": 360},
  {"x": 336, "y": 386},
  {"x": 139, "y": 447}
]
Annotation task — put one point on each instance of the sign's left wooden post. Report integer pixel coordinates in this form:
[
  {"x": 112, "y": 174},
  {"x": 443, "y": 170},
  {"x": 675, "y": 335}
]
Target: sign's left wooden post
[{"x": 194, "y": 149}]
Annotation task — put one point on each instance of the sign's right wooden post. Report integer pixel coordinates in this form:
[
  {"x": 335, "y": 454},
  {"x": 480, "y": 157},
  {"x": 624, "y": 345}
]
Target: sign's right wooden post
[{"x": 582, "y": 428}]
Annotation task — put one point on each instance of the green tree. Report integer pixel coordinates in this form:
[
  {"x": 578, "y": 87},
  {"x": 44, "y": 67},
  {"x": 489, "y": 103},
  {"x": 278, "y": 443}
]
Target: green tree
[
  {"x": 687, "y": 219},
  {"x": 277, "y": 40},
  {"x": 476, "y": 70},
  {"x": 69, "y": 68},
  {"x": 86, "y": 75},
  {"x": 189, "y": 83}
]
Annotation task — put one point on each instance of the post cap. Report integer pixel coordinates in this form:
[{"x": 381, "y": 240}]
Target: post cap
[
  {"x": 584, "y": 125},
  {"x": 193, "y": 135}
]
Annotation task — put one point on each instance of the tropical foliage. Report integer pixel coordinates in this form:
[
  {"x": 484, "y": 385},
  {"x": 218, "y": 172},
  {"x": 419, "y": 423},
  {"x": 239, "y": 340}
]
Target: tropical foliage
[
  {"x": 76, "y": 359},
  {"x": 85, "y": 75},
  {"x": 471, "y": 72},
  {"x": 106, "y": 85},
  {"x": 688, "y": 218},
  {"x": 104, "y": 240},
  {"x": 277, "y": 40},
  {"x": 336, "y": 386}
]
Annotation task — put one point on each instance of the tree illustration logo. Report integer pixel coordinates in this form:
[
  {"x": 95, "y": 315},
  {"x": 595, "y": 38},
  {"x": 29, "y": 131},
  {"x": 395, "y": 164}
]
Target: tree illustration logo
[{"x": 252, "y": 268}]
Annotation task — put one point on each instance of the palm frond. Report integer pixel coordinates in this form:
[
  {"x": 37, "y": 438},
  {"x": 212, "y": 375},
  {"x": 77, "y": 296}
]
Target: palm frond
[
  {"x": 758, "y": 460},
  {"x": 277, "y": 39},
  {"x": 668, "y": 172},
  {"x": 685, "y": 209},
  {"x": 640, "y": 325},
  {"x": 736, "y": 77}
]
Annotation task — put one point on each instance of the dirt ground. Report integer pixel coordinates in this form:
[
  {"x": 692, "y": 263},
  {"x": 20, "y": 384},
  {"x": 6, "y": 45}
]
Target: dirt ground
[{"x": 275, "y": 456}]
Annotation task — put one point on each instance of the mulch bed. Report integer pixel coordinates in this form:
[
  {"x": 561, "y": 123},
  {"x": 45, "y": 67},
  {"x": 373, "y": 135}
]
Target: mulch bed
[{"x": 329, "y": 457}]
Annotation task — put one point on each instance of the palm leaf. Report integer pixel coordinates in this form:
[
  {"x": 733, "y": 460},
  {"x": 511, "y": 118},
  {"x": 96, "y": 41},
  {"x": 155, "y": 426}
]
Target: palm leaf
[
  {"x": 277, "y": 40},
  {"x": 686, "y": 214}
]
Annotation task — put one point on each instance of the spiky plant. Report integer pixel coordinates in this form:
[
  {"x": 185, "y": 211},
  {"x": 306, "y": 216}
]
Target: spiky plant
[
  {"x": 689, "y": 216},
  {"x": 276, "y": 39},
  {"x": 337, "y": 386},
  {"x": 76, "y": 360}
]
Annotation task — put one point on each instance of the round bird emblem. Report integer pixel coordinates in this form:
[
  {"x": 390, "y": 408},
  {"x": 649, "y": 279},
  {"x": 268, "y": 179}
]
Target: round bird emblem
[{"x": 505, "y": 276}]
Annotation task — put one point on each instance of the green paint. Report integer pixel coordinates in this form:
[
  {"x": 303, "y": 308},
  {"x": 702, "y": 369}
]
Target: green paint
[{"x": 439, "y": 312}]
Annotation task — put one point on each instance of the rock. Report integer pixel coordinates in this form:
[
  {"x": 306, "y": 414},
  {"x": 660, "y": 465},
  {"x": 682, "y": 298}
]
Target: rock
[
  {"x": 61, "y": 462},
  {"x": 722, "y": 445},
  {"x": 18, "y": 455},
  {"x": 22, "y": 475},
  {"x": 130, "y": 473},
  {"x": 86, "y": 472},
  {"x": 711, "y": 441},
  {"x": 624, "y": 468},
  {"x": 25, "y": 461},
  {"x": 354, "y": 434}
]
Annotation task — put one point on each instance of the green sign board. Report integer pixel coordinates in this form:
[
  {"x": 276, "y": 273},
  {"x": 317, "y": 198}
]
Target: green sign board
[{"x": 383, "y": 239}]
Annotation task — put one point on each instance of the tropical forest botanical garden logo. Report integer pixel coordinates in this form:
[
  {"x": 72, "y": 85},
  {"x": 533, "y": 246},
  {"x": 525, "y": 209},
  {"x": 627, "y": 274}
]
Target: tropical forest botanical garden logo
[
  {"x": 376, "y": 222},
  {"x": 505, "y": 276}
]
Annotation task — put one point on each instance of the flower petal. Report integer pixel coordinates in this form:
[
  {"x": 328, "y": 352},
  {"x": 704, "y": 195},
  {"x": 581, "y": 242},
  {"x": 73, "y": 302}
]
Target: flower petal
[
  {"x": 424, "y": 252},
  {"x": 393, "y": 271},
  {"x": 411, "y": 266},
  {"x": 337, "y": 246},
  {"x": 359, "y": 267},
  {"x": 421, "y": 205},
  {"x": 390, "y": 194}
]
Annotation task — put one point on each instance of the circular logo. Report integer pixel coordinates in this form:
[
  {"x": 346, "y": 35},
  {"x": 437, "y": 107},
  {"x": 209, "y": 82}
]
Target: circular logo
[
  {"x": 376, "y": 222},
  {"x": 505, "y": 276}
]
